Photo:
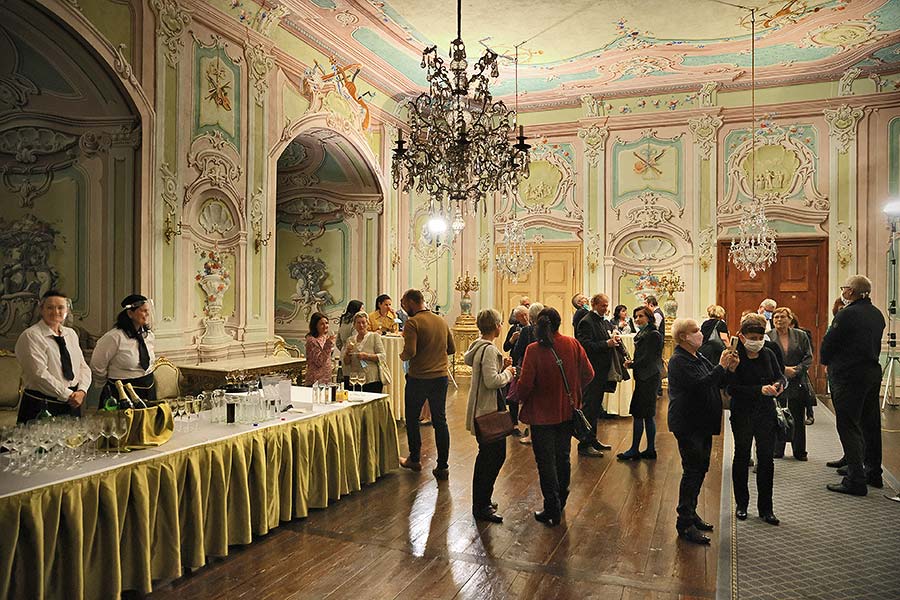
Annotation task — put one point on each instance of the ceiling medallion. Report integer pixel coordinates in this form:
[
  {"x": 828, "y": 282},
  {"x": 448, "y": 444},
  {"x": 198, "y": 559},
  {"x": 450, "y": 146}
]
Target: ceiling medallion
[
  {"x": 755, "y": 249},
  {"x": 459, "y": 148}
]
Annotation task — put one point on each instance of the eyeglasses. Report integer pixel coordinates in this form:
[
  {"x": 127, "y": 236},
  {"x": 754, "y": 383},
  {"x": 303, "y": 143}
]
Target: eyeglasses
[{"x": 845, "y": 287}]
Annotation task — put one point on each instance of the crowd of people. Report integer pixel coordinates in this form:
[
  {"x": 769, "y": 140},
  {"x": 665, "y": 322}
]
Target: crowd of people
[
  {"x": 756, "y": 375},
  {"x": 549, "y": 378}
]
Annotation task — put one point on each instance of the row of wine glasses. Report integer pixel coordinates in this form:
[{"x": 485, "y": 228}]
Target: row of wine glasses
[
  {"x": 60, "y": 442},
  {"x": 186, "y": 411},
  {"x": 357, "y": 380}
]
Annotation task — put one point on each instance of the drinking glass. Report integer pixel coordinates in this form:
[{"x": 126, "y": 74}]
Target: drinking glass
[
  {"x": 120, "y": 430},
  {"x": 107, "y": 425}
]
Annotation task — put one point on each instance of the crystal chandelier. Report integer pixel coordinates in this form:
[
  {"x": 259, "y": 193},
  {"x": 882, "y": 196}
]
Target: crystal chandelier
[
  {"x": 755, "y": 250},
  {"x": 517, "y": 258},
  {"x": 459, "y": 148}
]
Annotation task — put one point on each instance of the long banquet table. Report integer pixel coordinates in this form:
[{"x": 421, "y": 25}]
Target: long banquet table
[{"x": 122, "y": 523}]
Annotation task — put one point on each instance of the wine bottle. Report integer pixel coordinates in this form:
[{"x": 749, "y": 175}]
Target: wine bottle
[
  {"x": 124, "y": 402},
  {"x": 135, "y": 399}
]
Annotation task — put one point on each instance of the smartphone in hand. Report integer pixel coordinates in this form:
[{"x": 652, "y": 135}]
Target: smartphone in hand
[{"x": 734, "y": 342}]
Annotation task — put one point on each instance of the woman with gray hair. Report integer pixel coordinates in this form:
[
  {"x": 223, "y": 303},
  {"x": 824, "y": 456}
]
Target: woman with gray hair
[
  {"x": 490, "y": 372},
  {"x": 695, "y": 415}
]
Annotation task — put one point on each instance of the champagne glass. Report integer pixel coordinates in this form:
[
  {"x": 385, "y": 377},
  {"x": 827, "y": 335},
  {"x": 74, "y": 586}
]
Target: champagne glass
[
  {"x": 120, "y": 430},
  {"x": 106, "y": 429}
]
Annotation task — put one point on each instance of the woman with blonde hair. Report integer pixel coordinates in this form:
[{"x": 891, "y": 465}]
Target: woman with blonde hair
[
  {"x": 364, "y": 353},
  {"x": 490, "y": 373}
]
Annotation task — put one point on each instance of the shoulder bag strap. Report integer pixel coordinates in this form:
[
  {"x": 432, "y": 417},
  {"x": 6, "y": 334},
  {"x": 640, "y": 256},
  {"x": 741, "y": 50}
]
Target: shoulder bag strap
[{"x": 562, "y": 372}]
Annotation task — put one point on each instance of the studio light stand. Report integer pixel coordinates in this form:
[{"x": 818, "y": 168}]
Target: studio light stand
[{"x": 890, "y": 371}]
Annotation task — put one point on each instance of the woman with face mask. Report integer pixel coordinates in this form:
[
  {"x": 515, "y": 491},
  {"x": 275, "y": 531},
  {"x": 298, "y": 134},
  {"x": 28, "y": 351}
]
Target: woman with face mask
[
  {"x": 753, "y": 387},
  {"x": 647, "y": 369},
  {"x": 695, "y": 415}
]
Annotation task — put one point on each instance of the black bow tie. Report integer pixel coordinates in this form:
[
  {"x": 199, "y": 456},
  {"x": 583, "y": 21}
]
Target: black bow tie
[{"x": 64, "y": 358}]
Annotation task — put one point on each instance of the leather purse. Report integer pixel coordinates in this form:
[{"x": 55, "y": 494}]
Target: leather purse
[
  {"x": 581, "y": 427},
  {"x": 785, "y": 422},
  {"x": 493, "y": 426}
]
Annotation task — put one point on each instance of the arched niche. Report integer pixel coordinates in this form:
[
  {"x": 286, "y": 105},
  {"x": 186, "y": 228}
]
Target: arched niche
[
  {"x": 328, "y": 201},
  {"x": 75, "y": 165}
]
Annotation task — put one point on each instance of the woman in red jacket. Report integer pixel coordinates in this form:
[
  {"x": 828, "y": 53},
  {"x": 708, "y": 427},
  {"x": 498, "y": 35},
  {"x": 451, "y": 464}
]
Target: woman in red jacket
[{"x": 547, "y": 408}]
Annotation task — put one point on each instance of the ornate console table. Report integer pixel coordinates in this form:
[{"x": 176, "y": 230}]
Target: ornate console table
[{"x": 215, "y": 374}]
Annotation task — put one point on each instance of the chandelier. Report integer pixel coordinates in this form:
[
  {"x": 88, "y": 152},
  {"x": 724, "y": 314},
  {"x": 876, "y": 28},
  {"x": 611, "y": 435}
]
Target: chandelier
[
  {"x": 459, "y": 148},
  {"x": 755, "y": 250},
  {"x": 516, "y": 258}
]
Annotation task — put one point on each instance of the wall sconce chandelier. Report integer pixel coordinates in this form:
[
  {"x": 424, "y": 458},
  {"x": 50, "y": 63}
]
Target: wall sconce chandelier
[
  {"x": 755, "y": 248},
  {"x": 459, "y": 148}
]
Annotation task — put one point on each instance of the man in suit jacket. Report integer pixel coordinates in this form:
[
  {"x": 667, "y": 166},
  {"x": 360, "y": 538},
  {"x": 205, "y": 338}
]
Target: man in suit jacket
[{"x": 594, "y": 334}]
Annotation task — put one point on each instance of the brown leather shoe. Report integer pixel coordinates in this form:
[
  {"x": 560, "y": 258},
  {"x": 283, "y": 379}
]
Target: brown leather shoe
[
  {"x": 693, "y": 535},
  {"x": 412, "y": 465}
]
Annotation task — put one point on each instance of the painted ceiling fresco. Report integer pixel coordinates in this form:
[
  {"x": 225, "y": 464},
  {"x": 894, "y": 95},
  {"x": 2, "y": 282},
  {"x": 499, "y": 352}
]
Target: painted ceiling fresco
[{"x": 611, "y": 47}]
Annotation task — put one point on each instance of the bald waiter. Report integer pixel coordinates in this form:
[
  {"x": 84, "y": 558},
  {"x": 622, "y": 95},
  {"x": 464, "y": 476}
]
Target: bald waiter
[{"x": 55, "y": 374}]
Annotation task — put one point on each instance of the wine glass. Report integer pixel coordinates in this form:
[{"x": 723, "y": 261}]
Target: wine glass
[
  {"x": 106, "y": 429},
  {"x": 120, "y": 430}
]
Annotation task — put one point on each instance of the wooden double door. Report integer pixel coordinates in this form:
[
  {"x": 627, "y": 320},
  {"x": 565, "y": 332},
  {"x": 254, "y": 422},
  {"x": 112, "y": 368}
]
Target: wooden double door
[
  {"x": 798, "y": 280},
  {"x": 555, "y": 278}
]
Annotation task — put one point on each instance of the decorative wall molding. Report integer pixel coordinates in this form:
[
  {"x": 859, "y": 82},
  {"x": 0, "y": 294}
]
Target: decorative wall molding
[
  {"x": 16, "y": 90},
  {"x": 395, "y": 248},
  {"x": 708, "y": 94},
  {"x": 845, "y": 84},
  {"x": 122, "y": 66},
  {"x": 591, "y": 107},
  {"x": 594, "y": 249},
  {"x": 28, "y": 143},
  {"x": 312, "y": 232},
  {"x": 26, "y": 189},
  {"x": 256, "y": 221},
  {"x": 215, "y": 217},
  {"x": 651, "y": 212},
  {"x": 648, "y": 249},
  {"x": 485, "y": 252},
  {"x": 259, "y": 64},
  {"x": 844, "y": 244},
  {"x": 706, "y": 242},
  {"x": 215, "y": 169},
  {"x": 171, "y": 22},
  {"x": 705, "y": 131},
  {"x": 594, "y": 138},
  {"x": 842, "y": 122},
  {"x": 651, "y": 215},
  {"x": 789, "y": 192},
  {"x": 310, "y": 272}
]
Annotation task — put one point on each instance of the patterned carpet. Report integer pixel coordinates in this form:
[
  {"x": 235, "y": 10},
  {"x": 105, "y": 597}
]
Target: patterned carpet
[{"x": 828, "y": 546}]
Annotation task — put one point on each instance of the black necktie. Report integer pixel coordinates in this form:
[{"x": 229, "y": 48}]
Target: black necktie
[
  {"x": 64, "y": 358},
  {"x": 143, "y": 353}
]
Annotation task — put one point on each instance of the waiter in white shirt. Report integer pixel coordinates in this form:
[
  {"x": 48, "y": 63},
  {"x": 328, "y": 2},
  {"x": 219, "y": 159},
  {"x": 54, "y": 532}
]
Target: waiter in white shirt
[
  {"x": 125, "y": 352},
  {"x": 54, "y": 371}
]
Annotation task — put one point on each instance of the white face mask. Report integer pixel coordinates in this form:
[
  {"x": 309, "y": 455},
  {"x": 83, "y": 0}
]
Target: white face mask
[
  {"x": 844, "y": 301},
  {"x": 754, "y": 345},
  {"x": 695, "y": 339}
]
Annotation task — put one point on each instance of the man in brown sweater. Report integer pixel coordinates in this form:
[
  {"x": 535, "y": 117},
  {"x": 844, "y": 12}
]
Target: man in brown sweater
[{"x": 427, "y": 342}]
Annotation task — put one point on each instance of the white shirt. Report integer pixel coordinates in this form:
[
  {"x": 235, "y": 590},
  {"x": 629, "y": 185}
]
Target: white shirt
[
  {"x": 657, "y": 317},
  {"x": 38, "y": 354},
  {"x": 116, "y": 356}
]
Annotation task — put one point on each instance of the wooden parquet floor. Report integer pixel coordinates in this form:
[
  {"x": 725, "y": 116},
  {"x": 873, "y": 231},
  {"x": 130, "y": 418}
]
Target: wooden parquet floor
[{"x": 408, "y": 536}]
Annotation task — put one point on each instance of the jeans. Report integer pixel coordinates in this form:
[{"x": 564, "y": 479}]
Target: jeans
[
  {"x": 695, "y": 449},
  {"x": 487, "y": 466},
  {"x": 749, "y": 422},
  {"x": 433, "y": 391},
  {"x": 858, "y": 415},
  {"x": 552, "y": 445}
]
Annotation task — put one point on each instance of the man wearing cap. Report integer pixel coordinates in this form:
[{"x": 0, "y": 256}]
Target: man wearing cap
[
  {"x": 850, "y": 350},
  {"x": 125, "y": 352}
]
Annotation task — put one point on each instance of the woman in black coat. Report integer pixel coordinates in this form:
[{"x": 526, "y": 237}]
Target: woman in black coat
[{"x": 647, "y": 366}]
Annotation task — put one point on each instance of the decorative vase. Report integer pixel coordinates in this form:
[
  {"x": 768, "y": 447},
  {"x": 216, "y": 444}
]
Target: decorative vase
[
  {"x": 465, "y": 304},
  {"x": 670, "y": 308}
]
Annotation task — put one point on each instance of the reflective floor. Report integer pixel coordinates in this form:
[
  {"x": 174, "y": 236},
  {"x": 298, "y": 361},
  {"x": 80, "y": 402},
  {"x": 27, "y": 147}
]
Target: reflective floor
[{"x": 407, "y": 536}]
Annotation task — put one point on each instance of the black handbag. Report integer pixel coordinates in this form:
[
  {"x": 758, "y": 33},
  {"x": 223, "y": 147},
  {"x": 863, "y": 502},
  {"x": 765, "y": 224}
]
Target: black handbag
[
  {"x": 581, "y": 427},
  {"x": 785, "y": 422},
  {"x": 494, "y": 426}
]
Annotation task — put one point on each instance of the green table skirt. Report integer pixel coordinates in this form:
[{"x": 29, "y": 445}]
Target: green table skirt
[{"x": 125, "y": 528}]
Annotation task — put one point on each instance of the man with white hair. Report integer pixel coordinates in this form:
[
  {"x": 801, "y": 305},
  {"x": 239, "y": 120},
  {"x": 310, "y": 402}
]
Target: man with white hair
[
  {"x": 767, "y": 309},
  {"x": 851, "y": 350},
  {"x": 523, "y": 301}
]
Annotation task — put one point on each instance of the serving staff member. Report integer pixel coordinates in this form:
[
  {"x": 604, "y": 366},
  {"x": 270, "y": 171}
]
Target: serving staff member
[
  {"x": 125, "y": 352},
  {"x": 54, "y": 371}
]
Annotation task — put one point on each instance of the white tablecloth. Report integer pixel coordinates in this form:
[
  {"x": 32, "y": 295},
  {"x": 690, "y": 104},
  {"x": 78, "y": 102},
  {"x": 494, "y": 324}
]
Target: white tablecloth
[
  {"x": 393, "y": 346},
  {"x": 618, "y": 402}
]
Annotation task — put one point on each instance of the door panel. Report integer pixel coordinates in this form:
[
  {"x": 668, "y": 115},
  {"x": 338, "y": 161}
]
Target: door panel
[
  {"x": 798, "y": 280},
  {"x": 555, "y": 277}
]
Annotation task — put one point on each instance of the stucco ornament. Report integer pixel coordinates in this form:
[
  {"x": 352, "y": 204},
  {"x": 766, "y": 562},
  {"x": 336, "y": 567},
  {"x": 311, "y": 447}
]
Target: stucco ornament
[
  {"x": 122, "y": 66},
  {"x": 27, "y": 144},
  {"x": 484, "y": 251},
  {"x": 844, "y": 244},
  {"x": 845, "y": 84},
  {"x": 844, "y": 36},
  {"x": 310, "y": 272},
  {"x": 594, "y": 249},
  {"x": 708, "y": 94},
  {"x": 705, "y": 244},
  {"x": 842, "y": 122},
  {"x": 16, "y": 90},
  {"x": 594, "y": 138},
  {"x": 171, "y": 22},
  {"x": 259, "y": 64},
  {"x": 705, "y": 129},
  {"x": 215, "y": 217}
]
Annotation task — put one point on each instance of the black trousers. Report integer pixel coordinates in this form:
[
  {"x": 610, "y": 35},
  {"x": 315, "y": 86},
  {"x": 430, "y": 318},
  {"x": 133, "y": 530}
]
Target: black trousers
[
  {"x": 513, "y": 407},
  {"x": 433, "y": 391},
  {"x": 34, "y": 403},
  {"x": 748, "y": 423},
  {"x": 695, "y": 450},
  {"x": 373, "y": 386},
  {"x": 796, "y": 404},
  {"x": 487, "y": 466},
  {"x": 858, "y": 415},
  {"x": 552, "y": 445},
  {"x": 592, "y": 406}
]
